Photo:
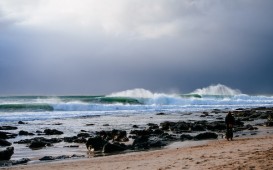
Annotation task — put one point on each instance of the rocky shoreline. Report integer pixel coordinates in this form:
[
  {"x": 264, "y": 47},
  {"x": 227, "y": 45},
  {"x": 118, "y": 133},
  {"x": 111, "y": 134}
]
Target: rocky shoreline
[{"x": 116, "y": 141}]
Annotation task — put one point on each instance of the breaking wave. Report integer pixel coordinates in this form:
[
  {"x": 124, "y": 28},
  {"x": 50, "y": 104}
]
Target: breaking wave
[
  {"x": 214, "y": 96},
  {"x": 218, "y": 89}
]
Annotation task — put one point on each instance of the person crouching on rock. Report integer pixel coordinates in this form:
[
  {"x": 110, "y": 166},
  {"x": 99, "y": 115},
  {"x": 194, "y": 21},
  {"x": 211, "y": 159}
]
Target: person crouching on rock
[{"x": 230, "y": 121}]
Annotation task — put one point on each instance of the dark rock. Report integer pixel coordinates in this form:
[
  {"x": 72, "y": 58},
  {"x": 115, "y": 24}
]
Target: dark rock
[
  {"x": 50, "y": 158},
  {"x": 57, "y": 124},
  {"x": 77, "y": 156},
  {"x": 80, "y": 140},
  {"x": 75, "y": 139},
  {"x": 38, "y": 144},
  {"x": 20, "y": 161},
  {"x": 21, "y": 123},
  {"x": 95, "y": 143},
  {"x": 115, "y": 135},
  {"x": 8, "y": 128},
  {"x": 216, "y": 126},
  {"x": 70, "y": 139},
  {"x": 166, "y": 125},
  {"x": 175, "y": 126},
  {"x": 180, "y": 126},
  {"x": 90, "y": 124},
  {"x": 264, "y": 116},
  {"x": 144, "y": 142},
  {"x": 168, "y": 137},
  {"x": 47, "y": 158},
  {"x": 198, "y": 127},
  {"x": 238, "y": 122},
  {"x": 62, "y": 157},
  {"x": 254, "y": 115},
  {"x": 206, "y": 135},
  {"x": 242, "y": 113},
  {"x": 249, "y": 127},
  {"x": 161, "y": 113},
  {"x": 145, "y": 132},
  {"x": 157, "y": 132},
  {"x": 119, "y": 135},
  {"x": 260, "y": 108},
  {"x": 52, "y": 132},
  {"x": 6, "y": 154},
  {"x": 115, "y": 147},
  {"x": 7, "y": 135},
  {"x": 153, "y": 126},
  {"x": 25, "y": 133},
  {"x": 185, "y": 137},
  {"x": 135, "y": 126},
  {"x": 205, "y": 113},
  {"x": 269, "y": 123},
  {"x": 14, "y": 162},
  {"x": 141, "y": 142},
  {"x": 106, "y": 124},
  {"x": 4, "y": 143},
  {"x": 72, "y": 146},
  {"x": 85, "y": 135}
]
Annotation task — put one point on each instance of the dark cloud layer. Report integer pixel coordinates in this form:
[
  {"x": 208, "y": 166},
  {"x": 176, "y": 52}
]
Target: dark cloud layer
[{"x": 157, "y": 45}]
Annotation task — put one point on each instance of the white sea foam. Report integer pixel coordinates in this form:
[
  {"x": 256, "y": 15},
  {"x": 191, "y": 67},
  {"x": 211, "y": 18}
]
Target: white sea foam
[
  {"x": 213, "y": 97},
  {"x": 218, "y": 89},
  {"x": 134, "y": 93}
]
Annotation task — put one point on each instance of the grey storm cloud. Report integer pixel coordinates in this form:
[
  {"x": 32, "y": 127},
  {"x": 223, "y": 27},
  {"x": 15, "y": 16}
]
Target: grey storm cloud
[{"x": 98, "y": 47}]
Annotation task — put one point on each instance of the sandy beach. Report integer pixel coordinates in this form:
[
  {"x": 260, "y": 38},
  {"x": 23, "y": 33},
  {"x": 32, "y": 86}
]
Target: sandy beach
[{"x": 253, "y": 152}]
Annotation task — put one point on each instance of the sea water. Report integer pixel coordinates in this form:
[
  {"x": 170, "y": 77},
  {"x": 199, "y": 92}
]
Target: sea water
[{"x": 136, "y": 101}]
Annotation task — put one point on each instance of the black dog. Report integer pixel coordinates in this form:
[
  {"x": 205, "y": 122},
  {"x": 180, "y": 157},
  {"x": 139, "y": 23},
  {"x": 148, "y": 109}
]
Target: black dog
[{"x": 95, "y": 143}]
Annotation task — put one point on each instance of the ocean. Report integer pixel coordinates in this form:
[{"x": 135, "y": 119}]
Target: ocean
[
  {"x": 136, "y": 101},
  {"x": 119, "y": 110}
]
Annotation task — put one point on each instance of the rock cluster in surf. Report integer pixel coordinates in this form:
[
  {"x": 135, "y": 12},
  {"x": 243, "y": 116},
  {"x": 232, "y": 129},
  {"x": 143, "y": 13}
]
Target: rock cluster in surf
[{"x": 136, "y": 139}]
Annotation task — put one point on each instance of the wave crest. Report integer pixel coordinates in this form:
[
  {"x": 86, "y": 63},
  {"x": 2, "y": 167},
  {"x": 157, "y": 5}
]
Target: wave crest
[
  {"x": 134, "y": 93},
  {"x": 218, "y": 89}
]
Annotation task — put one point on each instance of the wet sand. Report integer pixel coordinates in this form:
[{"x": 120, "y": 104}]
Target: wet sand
[{"x": 255, "y": 152}]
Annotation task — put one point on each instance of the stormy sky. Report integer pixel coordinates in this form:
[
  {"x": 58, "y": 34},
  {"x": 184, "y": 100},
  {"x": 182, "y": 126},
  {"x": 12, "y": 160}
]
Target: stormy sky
[{"x": 69, "y": 47}]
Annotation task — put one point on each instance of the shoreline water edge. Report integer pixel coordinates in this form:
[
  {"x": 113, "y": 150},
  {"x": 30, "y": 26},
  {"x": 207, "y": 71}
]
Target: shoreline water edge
[{"x": 45, "y": 142}]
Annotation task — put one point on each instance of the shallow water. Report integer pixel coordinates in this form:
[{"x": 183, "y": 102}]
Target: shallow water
[{"x": 73, "y": 126}]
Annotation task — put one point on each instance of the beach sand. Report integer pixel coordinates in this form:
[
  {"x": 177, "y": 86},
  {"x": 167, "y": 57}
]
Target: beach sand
[{"x": 255, "y": 152}]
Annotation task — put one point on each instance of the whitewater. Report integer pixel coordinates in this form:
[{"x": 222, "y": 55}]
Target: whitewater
[{"x": 130, "y": 102}]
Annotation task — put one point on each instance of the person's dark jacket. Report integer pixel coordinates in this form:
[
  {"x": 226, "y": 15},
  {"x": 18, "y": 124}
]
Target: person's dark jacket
[{"x": 230, "y": 119}]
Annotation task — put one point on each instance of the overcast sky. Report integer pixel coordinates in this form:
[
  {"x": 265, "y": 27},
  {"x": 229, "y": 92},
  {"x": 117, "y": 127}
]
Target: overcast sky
[{"x": 64, "y": 47}]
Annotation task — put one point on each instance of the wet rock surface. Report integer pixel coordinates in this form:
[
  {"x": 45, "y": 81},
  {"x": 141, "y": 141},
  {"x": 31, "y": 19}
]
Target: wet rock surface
[
  {"x": 39, "y": 142},
  {"x": 52, "y": 132},
  {"x": 7, "y": 135},
  {"x": 141, "y": 137},
  {"x": 62, "y": 157},
  {"x": 14, "y": 162},
  {"x": 8, "y": 128},
  {"x": 7, "y": 153},
  {"x": 4, "y": 143}
]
